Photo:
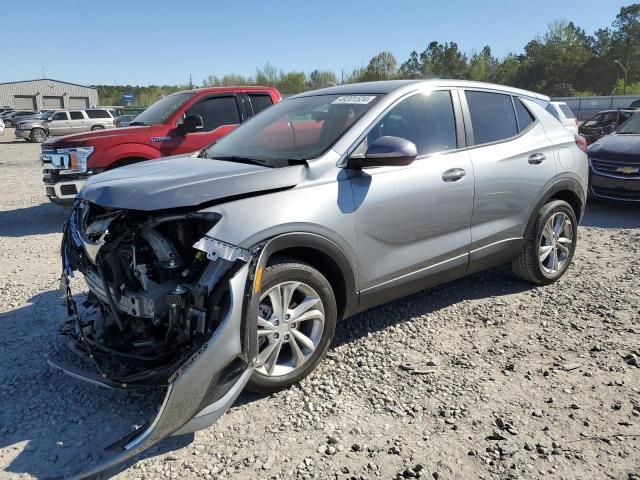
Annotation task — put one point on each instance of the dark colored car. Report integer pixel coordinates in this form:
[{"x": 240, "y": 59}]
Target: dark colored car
[
  {"x": 604, "y": 123},
  {"x": 614, "y": 163},
  {"x": 635, "y": 104},
  {"x": 13, "y": 118}
]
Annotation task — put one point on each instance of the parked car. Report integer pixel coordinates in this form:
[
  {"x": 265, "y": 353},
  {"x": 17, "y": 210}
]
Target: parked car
[
  {"x": 231, "y": 269},
  {"x": 6, "y": 110},
  {"x": 64, "y": 122},
  {"x": 183, "y": 122},
  {"x": 603, "y": 123},
  {"x": 564, "y": 115},
  {"x": 124, "y": 120},
  {"x": 12, "y": 118},
  {"x": 614, "y": 163}
]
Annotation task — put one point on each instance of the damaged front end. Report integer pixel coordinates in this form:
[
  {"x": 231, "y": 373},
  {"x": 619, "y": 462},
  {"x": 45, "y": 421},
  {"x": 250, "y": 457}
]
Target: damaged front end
[{"x": 172, "y": 309}]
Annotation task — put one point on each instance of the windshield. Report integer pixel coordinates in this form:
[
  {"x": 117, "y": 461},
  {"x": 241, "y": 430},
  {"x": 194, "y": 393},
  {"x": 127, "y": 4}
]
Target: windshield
[
  {"x": 294, "y": 130},
  {"x": 160, "y": 111},
  {"x": 631, "y": 126}
]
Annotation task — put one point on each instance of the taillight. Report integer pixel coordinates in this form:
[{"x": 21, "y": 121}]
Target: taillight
[{"x": 581, "y": 142}]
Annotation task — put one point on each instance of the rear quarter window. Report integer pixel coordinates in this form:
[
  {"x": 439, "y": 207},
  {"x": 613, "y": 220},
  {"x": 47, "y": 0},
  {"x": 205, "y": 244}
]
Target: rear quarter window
[
  {"x": 97, "y": 114},
  {"x": 567, "y": 111},
  {"x": 552, "y": 110},
  {"x": 493, "y": 117},
  {"x": 524, "y": 116}
]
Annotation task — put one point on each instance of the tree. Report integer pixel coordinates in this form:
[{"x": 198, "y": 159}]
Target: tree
[
  {"x": 267, "y": 76},
  {"x": 443, "y": 61},
  {"x": 292, "y": 82},
  {"x": 483, "y": 66},
  {"x": 322, "y": 78},
  {"x": 381, "y": 67},
  {"x": 411, "y": 68}
]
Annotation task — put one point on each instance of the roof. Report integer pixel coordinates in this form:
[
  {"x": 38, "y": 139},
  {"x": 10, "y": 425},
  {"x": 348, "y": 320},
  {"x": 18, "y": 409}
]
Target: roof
[
  {"x": 388, "y": 86},
  {"x": 47, "y": 80}
]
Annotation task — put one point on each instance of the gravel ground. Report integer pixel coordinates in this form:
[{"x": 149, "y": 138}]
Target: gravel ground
[{"x": 486, "y": 377}]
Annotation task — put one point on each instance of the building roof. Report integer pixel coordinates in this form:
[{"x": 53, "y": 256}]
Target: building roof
[{"x": 47, "y": 80}]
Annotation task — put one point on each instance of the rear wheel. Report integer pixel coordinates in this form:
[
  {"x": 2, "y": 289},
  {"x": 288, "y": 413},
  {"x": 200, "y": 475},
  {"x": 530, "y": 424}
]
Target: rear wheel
[
  {"x": 38, "y": 135},
  {"x": 97, "y": 127},
  {"x": 296, "y": 322},
  {"x": 549, "y": 245}
]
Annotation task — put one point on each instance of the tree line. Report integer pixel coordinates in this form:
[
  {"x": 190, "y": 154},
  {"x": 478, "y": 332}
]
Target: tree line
[{"x": 565, "y": 61}]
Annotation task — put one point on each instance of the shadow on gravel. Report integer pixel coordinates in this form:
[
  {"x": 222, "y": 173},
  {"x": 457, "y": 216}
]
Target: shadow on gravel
[
  {"x": 612, "y": 215},
  {"x": 31, "y": 218}
]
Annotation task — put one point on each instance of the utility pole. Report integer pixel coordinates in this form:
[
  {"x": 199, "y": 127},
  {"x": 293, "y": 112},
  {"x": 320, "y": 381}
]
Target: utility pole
[
  {"x": 625, "y": 71},
  {"x": 190, "y": 82}
]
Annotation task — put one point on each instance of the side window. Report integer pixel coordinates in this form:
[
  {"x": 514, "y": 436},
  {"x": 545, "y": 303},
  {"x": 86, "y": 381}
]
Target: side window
[
  {"x": 552, "y": 110},
  {"x": 259, "y": 102},
  {"x": 216, "y": 111},
  {"x": 76, "y": 115},
  {"x": 60, "y": 116},
  {"x": 425, "y": 119},
  {"x": 98, "y": 114},
  {"x": 492, "y": 116},
  {"x": 523, "y": 115}
]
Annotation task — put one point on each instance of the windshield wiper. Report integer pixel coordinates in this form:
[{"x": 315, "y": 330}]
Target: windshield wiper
[
  {"x": 628, "y": 133},
  {"x": 249, "y": 160}
]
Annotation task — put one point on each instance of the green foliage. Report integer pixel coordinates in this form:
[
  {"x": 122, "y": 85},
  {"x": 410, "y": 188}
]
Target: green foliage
[{"x": 564, "y": 61}]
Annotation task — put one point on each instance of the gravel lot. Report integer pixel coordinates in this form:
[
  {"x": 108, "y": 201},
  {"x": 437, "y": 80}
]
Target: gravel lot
[{"x": 486, "y": 377}]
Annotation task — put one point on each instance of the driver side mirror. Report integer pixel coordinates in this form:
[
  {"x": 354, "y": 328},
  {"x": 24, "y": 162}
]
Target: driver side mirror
[
  {"x": 191, "y": 123},
  {"x": 386, "y": 152}
]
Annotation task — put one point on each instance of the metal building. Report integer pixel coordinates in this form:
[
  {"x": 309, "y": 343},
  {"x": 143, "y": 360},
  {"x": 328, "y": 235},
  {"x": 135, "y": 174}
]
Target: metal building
[{"x": 46, "y": 94}]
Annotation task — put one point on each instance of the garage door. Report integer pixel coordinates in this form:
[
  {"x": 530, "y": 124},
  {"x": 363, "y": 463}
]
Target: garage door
[
  {"x": 51, "y": 102},
  {"x": 25, "y": 102},
  {"x": 78, "y": 102}
]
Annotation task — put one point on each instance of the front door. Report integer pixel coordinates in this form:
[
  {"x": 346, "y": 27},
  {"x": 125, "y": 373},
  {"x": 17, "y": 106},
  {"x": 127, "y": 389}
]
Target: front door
[
  {"x": 413, "y": 222},
  {"x": 220, "y": 114},
  {"x": 59, "y": 124}
]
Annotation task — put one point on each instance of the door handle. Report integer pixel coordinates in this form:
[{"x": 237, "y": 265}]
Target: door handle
[
  {"x": 536, "y": 158},
  {"x": 453, "y": 175}
]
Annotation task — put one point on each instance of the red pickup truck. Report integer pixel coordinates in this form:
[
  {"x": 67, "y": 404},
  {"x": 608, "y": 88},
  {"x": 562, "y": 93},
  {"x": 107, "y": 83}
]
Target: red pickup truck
[{"x": 180, "y": 123}]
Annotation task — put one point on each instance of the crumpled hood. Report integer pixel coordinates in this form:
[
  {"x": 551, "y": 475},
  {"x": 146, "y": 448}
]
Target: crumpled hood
[
  {"x": 183, "y": 181},
  {"x": 617, "y": 147}
]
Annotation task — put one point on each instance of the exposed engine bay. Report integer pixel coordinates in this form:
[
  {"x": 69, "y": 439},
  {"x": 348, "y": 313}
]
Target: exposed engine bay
[{"x": 151, "y": 278}]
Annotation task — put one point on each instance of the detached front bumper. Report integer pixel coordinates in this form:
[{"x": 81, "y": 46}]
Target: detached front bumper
[{"x": 202, "y": 389}]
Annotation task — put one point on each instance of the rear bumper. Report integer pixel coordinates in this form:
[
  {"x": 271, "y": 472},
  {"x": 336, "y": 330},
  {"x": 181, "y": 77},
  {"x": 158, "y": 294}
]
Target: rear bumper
[{"x": 614, "y": 188}]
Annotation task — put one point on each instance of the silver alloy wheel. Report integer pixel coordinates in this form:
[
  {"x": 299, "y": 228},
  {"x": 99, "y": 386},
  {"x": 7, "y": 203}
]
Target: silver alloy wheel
[
  {"x": 290, "y": 326},
  {"x": 555, "y": 243},
  {"x": 39, "y": 135}
]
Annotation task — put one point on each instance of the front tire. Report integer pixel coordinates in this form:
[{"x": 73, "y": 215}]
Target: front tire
[
  {"x": 296, "y": 323},
  {"x": 549, "y": 244},
  {"x": 38, "y": 135}
]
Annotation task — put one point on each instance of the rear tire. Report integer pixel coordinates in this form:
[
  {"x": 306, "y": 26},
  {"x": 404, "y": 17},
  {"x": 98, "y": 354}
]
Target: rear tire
[
  {"x": 299, "y": 339},
  {"x": 96, "y": 127},
  {"x": 549, "y": 244}
]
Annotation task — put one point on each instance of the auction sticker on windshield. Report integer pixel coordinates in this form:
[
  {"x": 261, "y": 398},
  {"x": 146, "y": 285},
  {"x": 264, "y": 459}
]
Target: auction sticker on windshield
[{"x": 354, "y": 99}]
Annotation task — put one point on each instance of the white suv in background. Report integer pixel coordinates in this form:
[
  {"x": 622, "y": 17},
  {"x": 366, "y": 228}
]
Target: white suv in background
[{"x": 565, "y": 116}]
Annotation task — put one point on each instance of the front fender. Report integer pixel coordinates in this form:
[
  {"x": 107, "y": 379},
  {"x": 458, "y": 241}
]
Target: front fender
[{"x": 111, "y": 155}]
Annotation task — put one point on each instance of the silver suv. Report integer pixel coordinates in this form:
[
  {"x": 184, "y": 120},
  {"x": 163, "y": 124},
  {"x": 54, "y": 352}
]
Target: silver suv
[
  {"x": 64, "y": 122},
  {"x": 231, "y": 269}
]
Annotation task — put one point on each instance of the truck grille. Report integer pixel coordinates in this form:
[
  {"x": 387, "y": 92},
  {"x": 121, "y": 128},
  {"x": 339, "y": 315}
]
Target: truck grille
[{"x": 617, "y": 168}]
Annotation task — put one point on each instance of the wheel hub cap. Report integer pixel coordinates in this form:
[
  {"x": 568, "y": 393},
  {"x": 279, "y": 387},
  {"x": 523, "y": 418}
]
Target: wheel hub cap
[
  {"x": 555, "y": 243},
  {"x": 290, "y": 326}
]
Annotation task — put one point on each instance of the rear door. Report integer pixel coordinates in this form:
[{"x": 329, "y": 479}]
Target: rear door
[
  {"x": 413, "y": 222},
  {"x": 513, "y": 160},
  {"x": 59, "y": 124},
  {"x": 220, "y": 114}
]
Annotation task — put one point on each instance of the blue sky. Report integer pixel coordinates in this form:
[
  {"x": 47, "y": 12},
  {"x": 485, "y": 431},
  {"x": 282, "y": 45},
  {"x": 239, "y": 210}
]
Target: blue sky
[{"x": 162, "y": 42}]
